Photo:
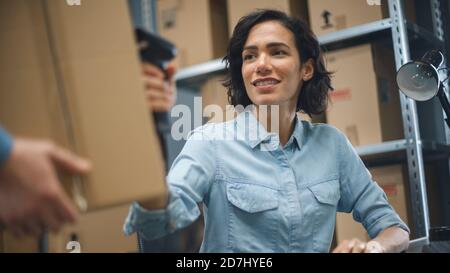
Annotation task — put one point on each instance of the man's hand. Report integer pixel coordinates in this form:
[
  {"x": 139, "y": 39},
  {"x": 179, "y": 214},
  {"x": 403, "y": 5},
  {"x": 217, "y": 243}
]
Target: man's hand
[
  {"x": 159, "y": 91},
  {"x": 31, "y": 197},
  {"x": 357, "y": 246}
]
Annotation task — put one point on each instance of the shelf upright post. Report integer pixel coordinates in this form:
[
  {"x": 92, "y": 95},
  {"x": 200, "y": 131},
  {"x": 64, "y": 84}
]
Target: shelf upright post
[{"x": 417, "y": 185}]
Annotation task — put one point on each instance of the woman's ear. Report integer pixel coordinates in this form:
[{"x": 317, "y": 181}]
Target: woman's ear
[{"x": 308, "y": 70}]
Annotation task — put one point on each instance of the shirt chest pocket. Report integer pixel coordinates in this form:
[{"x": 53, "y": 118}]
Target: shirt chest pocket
[
  {"x": 320, "y": 201},
  {"x": 253, "y": 217},
  {"x": 252, "y": 198},
  {"x": 327, "y": 192}
]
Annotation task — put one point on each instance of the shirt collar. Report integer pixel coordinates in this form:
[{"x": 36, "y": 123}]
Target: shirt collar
[
  {"x": 253, "y": 132},
  {"x": 298, "y": 134}
]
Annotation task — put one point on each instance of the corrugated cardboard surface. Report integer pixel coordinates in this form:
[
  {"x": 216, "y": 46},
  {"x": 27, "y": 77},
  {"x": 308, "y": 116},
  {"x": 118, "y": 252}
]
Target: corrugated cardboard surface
[
  {"x": 393, "y": 181},
  {"x": 215, "y": 99},
  {"x": 343, "y": 14},
  {"x": 348, "y": 13},
  {"x": 388, "y": 93},
  {"x": 354, "y": 103},
  {"x": 12, "y": 244},
  {"x": 365, "y": 104},
  {"x": 99, "y": 231},
  {"x": 198, "y": 28},
  {"x": 239, "y": 8},
  {"x": 71, "y": 74}
]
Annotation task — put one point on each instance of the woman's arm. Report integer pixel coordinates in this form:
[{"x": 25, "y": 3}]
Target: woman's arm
[
  {"x": 369, "y": 205},
  {"x": 393, "y": 239},
  {"x": 188, "y": 182},
  {"x": 390, "y": 240}
]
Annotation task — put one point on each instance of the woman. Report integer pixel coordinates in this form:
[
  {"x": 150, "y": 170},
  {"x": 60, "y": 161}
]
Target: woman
[{"x": 272, "y": 189}]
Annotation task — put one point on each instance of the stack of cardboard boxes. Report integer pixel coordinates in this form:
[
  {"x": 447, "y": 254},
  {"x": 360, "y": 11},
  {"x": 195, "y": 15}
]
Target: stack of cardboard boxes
[
  {"x": 198, "y": 29},
  {"x": 238, "y": 9},
  {"x": 365, "y": 104},
  {"x": 327, "y": 16},
  {"x": 72, "y": 74}
]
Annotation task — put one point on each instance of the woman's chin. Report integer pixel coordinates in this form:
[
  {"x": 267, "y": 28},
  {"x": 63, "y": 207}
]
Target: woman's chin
[{"x": 266, "y": 99}]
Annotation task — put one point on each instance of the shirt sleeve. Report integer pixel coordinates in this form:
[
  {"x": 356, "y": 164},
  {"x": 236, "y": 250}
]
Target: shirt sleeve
[
  {"x": 189, "y": 180},
  {"x": 361, "y": 195},
  {"x": 5, "y": 146}
]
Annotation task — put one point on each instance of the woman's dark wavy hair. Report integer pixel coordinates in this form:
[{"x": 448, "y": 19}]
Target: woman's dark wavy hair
[{"x": 313, "y": 98}]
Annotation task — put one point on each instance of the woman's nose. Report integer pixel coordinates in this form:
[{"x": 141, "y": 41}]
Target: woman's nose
[{"x": 263, "y": 65}]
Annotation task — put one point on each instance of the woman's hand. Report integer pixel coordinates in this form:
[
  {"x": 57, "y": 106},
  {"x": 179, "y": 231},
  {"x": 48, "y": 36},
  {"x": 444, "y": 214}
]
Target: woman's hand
[
  {"x": 357, "y": 246},
  {"x": 160, "y": 92}
]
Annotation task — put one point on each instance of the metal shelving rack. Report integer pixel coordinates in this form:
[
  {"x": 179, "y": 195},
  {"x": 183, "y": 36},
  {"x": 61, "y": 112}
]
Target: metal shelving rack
[{"x": 401, "y": 32}]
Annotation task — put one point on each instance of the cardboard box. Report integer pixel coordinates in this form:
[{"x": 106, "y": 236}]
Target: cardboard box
[
  {"x": 365, "y": 104},
  {"x": 393, "y": 180},
  {"x": 215, "y": 100},
  {"x": 198, "y": 28},
  {"x": 239, "y": 8},
  {"x": 330, "y": 15},
  {"x": 391, "y": 121},
  {"x": 98, "y": 231},
  {"x": 11, "y": 244},
  {"x": 71, "y": 74}
]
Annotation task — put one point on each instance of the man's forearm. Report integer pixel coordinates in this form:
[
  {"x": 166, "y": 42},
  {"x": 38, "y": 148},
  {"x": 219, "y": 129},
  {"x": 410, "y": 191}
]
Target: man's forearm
[{"x": 5, "y": 146}]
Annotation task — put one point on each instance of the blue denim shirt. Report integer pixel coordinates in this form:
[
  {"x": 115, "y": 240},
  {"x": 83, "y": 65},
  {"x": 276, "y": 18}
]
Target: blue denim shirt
[
  {"x": 260, "y": 197},
  {"x": 5, "y": 146}
]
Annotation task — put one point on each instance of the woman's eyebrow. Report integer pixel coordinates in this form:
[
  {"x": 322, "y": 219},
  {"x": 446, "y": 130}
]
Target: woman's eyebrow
[
  {"x": 276, "y": 44},
  {"x": 269, "y": 45}
]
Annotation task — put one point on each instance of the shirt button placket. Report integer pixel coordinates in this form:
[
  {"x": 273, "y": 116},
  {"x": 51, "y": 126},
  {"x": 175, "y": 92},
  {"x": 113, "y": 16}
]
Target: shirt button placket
[
  {"x": 289, "y": 186},
  {"x": 294, "y": 203}
]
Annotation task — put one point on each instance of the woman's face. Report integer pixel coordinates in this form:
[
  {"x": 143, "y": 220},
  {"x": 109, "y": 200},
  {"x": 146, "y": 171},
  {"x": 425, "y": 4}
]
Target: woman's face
[{"x": 271, "y": 66}]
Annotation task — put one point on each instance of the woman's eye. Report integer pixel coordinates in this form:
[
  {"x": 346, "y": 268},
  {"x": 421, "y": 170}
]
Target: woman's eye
[
  {"x": 279, "y": 52},
  {"x": 248, "y": 57}
]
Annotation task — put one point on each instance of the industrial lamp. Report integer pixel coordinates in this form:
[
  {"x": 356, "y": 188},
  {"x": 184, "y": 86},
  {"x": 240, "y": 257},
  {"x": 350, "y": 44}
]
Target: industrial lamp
[{"x": 420, "y": 80}]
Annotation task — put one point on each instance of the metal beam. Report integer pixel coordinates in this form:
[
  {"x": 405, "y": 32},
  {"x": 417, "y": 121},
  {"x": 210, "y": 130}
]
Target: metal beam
[{"x": 419, "y": 203}]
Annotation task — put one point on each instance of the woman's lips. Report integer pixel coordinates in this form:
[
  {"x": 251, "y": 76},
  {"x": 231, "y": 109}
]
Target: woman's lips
[
  {"x": 268, "y": 87},
  {"x": 265, "y": 84}
]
